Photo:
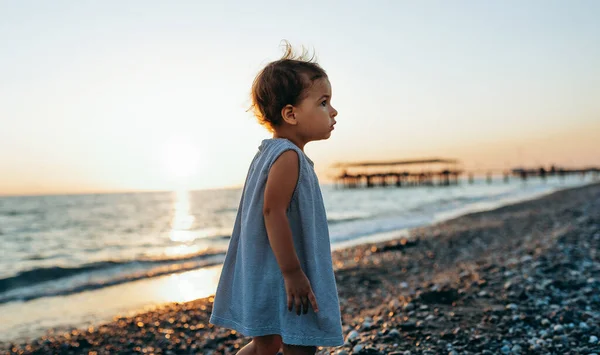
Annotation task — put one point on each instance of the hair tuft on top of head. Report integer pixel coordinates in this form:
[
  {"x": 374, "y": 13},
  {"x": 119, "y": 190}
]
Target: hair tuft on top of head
[{"x": 290, "y": 54}]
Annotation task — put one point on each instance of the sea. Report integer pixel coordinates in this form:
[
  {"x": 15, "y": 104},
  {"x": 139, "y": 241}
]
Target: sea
[{"x": 80, "y": 260}]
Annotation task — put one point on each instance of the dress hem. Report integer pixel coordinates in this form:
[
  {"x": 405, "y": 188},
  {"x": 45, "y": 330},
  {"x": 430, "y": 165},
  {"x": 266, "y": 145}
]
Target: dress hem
[{"x": 303, "y": 340}]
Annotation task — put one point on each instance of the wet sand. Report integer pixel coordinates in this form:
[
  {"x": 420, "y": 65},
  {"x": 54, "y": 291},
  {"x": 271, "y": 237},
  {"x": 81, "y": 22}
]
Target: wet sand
[{"x": 523, "y": 278}]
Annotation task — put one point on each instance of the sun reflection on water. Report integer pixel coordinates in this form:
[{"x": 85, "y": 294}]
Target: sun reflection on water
[
  {"x": 186, "y": 286},
  {"x": 182, "y": 220},
  {"x": 189, "y": 285}
]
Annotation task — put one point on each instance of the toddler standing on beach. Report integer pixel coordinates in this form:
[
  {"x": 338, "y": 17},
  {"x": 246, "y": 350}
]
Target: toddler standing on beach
[{"x": 277, "y": 283}]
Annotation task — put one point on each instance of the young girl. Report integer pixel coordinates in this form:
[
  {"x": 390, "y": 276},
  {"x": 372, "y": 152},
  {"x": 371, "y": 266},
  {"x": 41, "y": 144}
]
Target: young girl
[{"x": 277, "y": 283}]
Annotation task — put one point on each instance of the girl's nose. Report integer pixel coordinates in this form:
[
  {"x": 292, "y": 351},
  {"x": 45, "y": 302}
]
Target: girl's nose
[{"x": 334, "y": 112}]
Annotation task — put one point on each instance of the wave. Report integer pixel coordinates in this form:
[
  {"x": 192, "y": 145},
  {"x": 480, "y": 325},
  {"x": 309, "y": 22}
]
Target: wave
[
  {"x": 88, "y": 282},
  {"x": 16, "y": 213},
  {"x": 44, "y": 274}
]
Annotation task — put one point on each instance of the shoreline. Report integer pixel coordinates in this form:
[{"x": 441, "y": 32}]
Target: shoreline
[{"x": 407, "y": 288}]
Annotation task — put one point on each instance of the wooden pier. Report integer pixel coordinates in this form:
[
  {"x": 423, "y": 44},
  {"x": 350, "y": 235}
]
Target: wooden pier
[
  {"x": 436, "y": 172},
  {"x": 419, "y": 172},
  {"x": 554, "y": 171}
]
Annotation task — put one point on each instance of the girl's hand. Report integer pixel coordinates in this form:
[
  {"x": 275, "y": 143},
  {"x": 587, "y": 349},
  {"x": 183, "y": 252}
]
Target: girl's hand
[{"x": 299, "y": 292}]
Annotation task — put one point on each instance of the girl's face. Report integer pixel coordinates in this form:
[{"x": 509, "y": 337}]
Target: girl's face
[{"x": 314, "y": 114}]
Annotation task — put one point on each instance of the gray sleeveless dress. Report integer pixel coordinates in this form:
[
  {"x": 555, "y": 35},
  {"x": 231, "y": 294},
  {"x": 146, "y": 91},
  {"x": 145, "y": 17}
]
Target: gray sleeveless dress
[{"x": 250, "y": 296}]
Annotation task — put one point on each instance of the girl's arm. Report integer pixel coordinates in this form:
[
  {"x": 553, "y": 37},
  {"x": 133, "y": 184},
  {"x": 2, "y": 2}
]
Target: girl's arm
[
  {"x": 281, "y": 183},
  {"x": 280, "y": 186}
]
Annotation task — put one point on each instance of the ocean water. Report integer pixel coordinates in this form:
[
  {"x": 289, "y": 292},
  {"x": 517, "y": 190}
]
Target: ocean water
[{"x": 56, "y": 246}]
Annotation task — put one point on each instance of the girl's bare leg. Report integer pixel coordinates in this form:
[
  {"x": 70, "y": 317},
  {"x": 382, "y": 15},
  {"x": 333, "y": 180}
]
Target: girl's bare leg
[
  {"x": 262, "y": 345},
  {"x": 298, "y": 350}
]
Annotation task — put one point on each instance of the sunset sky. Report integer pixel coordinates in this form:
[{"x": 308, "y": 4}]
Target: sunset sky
[{"x": 99, "y": 96}]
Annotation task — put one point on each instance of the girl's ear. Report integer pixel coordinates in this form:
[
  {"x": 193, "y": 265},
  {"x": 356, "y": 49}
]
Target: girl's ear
[{"x": 288, "y": 114}]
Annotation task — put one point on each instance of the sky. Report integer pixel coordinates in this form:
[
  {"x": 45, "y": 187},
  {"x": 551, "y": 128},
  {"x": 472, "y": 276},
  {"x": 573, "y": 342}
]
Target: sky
[{"x": 104, "y": 96}]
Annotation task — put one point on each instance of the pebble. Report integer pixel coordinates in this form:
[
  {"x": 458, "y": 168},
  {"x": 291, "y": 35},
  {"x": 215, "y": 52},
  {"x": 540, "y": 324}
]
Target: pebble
[
  {"x": 394, "y": 332},
  {"x": 357, "y": 348},
  {"x": 593, "y": 339},
  {"x": 352, "y": 335},
  {"x": 409, "y": 307}
]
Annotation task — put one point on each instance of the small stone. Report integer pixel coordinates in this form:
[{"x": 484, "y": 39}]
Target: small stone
[
  {"x": 593, "y": 339},
  {"x": 505, "y": 349},
  {"x": 430, "y": 317},
  {"x": 516, "y": 349},
  {"x": 583, "y": 326},
  {"x": 342, "y": 352},
  {"x": 357, "y": 349},
  {"x": 394, "y": 304},
  {"x": 526, "y": 258},
  {"x": 403, "y": 285},
  {"x": 558, "y": 328},
  {"x": 545, "y": 322},
  {"x": 408, "y": 325},
  {"x": 409, "y": 306},
  {"x": 366, "y": 325},
  {"x": 394, "y": 333},
  {"x": 453, "y": 352},
  {"x": 352, "y": 335},
  {"x": 512, "y": 307}
]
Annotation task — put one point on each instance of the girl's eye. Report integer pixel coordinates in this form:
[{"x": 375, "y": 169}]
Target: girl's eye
[{"x": 324, "y": 103}]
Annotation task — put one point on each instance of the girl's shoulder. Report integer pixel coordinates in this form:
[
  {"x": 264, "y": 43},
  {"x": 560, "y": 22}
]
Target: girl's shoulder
[{"x": 272, "y": 148}]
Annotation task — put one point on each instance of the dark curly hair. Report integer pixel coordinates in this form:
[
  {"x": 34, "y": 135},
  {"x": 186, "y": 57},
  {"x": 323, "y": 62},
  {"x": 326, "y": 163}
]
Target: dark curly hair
[{"x": 283, "y": 82}]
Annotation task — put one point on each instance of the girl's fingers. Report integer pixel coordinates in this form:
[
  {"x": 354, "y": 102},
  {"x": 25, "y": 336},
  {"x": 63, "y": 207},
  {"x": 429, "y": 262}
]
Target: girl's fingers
[
  {"x": 298, "y": 305},
  {"x": 313, "y": 301},
  {"x": 304, "y": 304}
]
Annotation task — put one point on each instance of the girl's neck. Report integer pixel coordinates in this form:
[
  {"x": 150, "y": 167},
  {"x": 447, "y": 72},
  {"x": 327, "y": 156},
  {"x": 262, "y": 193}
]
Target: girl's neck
[{"x": 297, "y": 141}]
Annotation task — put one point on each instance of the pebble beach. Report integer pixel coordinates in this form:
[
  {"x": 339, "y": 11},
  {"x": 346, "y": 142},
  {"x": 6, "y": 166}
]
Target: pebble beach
[{"x": 521, "y": 279}]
